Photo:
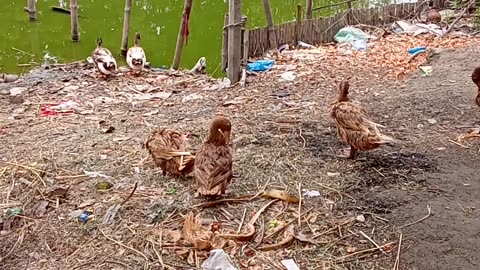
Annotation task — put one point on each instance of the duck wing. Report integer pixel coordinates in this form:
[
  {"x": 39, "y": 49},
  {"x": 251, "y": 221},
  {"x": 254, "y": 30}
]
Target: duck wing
[{"x": 213, "y": 169}]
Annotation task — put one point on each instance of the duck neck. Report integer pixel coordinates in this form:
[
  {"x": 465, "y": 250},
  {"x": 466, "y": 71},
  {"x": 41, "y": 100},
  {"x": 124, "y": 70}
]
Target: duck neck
[
  {"x": 216, "y": 137},
  {"x": 137, "y": 40}
]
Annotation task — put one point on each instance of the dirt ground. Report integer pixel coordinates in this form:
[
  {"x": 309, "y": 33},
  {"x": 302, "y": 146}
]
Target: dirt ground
[{"x": 282, "y": 139}]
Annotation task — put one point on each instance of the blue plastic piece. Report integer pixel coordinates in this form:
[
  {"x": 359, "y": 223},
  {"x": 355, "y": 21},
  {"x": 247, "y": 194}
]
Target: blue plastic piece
[
  {"x": 416, "y": 49},
  {"x": 260, "y": 65}
]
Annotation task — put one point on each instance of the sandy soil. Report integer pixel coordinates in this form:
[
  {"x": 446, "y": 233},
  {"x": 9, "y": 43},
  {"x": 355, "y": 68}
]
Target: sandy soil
[{"x": 282, "y": 137}]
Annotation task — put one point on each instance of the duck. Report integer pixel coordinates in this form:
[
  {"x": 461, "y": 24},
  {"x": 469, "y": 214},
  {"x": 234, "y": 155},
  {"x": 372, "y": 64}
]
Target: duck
[
  {"x": 136, "y": 57},
  {"x": 213, "y": 161},
  {"x": 168, "y": 149},
  {"x": 476, "y": 80},
  {"x": 433, "y": 16},
  {"x": 103, "y": 59},
  {"x": 353, "y": 126}
]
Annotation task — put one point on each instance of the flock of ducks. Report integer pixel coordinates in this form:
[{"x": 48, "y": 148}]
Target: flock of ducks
[
  {"x": 212, "y": 164},
  {"x": 106, "y": 63}
]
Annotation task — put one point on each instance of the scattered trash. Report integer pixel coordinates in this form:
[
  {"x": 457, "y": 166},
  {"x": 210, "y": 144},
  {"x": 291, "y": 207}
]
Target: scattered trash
[
  {"x": 218, "y": 260},
  {"x": 311, "y": 193},
  {"x": 113, "y": 210},
  {"x": 290, "y": 264},
  {"x": 225, "y": 83},
  {"x": 7, "y": 78},
  {"x": 359, "y": 45},
  {"x": 360, "y": 218},
  {"x": 417, "y": 28},
  {"x": 191, "y": 97},
  {"x": 12, "y": 212},
  {"x": 75, "y": 213},
  {"x": 87, "y": 216},
  {"x": 283, "y": 48},
  {"x": 260, "y": 65},
  {"x": 103, "y": 185},
  {"x": 427, "y": 70},
  {"x": 432, "y": 121},
  {"x": 63, "y": 107},
  {"x": 200, "y": 66},
  {"x": 416, "y": 49},
  {"x": 95, "y": 174},
  {"x": 103, "y": 157},
  {"x": 349, "y": 34},
  {"x": 303, "y": 45},
  {"x": 288, "y": 76},
  {"x": 156, "y": 111}
]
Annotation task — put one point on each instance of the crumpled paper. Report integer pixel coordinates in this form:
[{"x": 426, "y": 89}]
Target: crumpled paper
[{"x": 218, "y": 260}]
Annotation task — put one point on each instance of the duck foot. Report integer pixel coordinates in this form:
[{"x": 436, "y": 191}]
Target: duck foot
[{"x": 350, "y": 155}]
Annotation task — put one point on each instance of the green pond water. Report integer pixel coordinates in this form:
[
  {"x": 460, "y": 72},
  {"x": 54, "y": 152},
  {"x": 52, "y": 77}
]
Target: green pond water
[{"x": 24, "y": 44}]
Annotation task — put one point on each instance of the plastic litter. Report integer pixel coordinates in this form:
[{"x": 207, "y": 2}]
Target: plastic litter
[
  {"x": 303, "y": 45},
  {"x": 218, "y": 260},
  {"x": 260, "y": 65},
  {"x": 290, "y": 264},
  {"x": 63, "y": 107},
  {"x": 416, "y": 49},
  {"x": 288, "y": 76},
  {"x": 350, "y": 34},
  {"x": 359, "y": 45},
  {"x": 427, "y": 70}
]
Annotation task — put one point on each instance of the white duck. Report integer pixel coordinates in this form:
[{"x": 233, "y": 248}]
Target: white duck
[
  {"x": 103, "y": 59},
  {"x": 136, "y": 58}
]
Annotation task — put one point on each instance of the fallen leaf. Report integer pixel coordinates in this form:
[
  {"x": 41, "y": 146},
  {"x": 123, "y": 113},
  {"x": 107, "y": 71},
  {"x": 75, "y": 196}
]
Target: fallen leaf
[{"x": 280, "y": 194}]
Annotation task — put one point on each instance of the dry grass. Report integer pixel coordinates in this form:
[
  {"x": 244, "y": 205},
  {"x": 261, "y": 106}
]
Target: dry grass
[{"x": 282, "y": 139}]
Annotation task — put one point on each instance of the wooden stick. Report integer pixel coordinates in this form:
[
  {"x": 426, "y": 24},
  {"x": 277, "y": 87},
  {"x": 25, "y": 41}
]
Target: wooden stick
[
  {"x": 272, "y": 36},
  {"x": 371, "y": 241},
  {"x": 181, "y": 36},
  {"x": 420, "y": 220},
  {"x": 234, "y": 40},
  {"x": 74, "y": 19},
  {"x": 308, "y": 14},
  {"x": 364, "y": 251},
  {"x": 225, "y": 45},
  {"x": 126, "y": 27},
  {"x": 300, "y": 204},
  {"x": 298, "y": 28},
  {"x": 32, "y": 10},
  {"x": 397, "y": 260}
]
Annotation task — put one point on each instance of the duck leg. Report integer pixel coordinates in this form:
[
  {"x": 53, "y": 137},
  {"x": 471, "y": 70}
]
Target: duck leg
[{"x": 352, "y": 152}]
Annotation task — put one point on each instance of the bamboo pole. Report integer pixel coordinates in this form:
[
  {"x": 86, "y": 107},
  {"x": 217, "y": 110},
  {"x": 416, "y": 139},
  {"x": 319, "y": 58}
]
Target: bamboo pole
[
  {"x": 126, "y": 27},
  {"x": 272, "y": 37},
  {"x": 181, "y": 36},
  {"x": 74, "y": 19},
  {"x": 309, "y": 9},
  {"x": 299, "y": 28},
  {"x": 234, "y": 40},
  {"x": 349, "y": 13},
  {"x": 32, "y": 10},
  {"x": 225, "y": 44}
]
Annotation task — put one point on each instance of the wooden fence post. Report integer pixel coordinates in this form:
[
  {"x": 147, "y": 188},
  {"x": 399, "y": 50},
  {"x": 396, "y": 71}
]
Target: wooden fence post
[
  {"x": 181, "y": 34},
  {"x": 234, "y": 40},
  {"x": 299, "y": 28},
  {"x": 349, "y": 13},
  {"x": 272, "y": 37},
  {"x": 245, "y": 41},
  {"x": 32, "y": 10},
  {"x": 309, "y": 9},
  {"x": 126, "y": 27},
  {"x": 225, "y": 44},
  {"x": 74, "y": 19}
]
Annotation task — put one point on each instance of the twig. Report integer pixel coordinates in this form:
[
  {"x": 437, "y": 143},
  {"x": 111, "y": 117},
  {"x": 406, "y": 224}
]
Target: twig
[
  {"x": 24, "y": 52},
  {"x": 459, "y": 144},
  {"x": 300, "y": 204},
  {"x": 237, "y": 199},
  {"x": 450, "y": 28},
  {"x": 420, "y": 220},
  {"x": 371, "y": 241},
  {"x": 363, "y": 251},
  {"x": 243, "y": 220},
  {"x": 123, "y": 245},
  {"x": 396, "y": 266},
  {"x": 159, "y": 257},
  {"x": 131, "y": 194}
]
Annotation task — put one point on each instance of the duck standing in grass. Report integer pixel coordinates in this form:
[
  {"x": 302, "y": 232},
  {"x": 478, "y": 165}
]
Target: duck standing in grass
[
  {"x": 353, "y": 127},
  {"x": 213, "y": 162},
  {"x": 168, "y": 148},
  {"x": 476, "y": 80},
  {"x": 136, "y": 58},
  {"x": 103, "y": 59}
]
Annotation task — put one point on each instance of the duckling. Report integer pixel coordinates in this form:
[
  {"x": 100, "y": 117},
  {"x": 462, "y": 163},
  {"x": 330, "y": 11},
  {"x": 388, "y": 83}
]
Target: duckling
[
  {"x": 136, "y": 58},
  {"x": 433, "y": 16},
  {"x": 103, "y": 59},
  {"x": 476, "y": 80},
  {"x": 353, "y": 126}
]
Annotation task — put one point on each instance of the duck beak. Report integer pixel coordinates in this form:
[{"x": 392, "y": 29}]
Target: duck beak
[{"x": 226, "y": 134}]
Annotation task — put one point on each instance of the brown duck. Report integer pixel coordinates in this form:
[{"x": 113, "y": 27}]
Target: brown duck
[
  {"x": 213, "y": 162},
  {"x": 353, "y": 127},
  {"x": 168, "y": 148},
  {"x": 476, "y": 80}
]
